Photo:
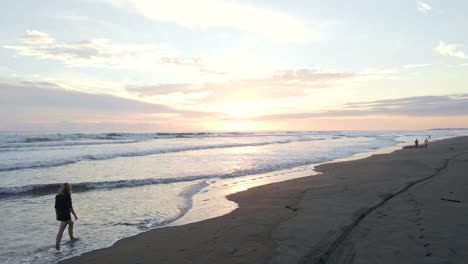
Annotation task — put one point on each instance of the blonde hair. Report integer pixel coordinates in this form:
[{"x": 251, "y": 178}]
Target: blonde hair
[{"x": 65, "y": 189}]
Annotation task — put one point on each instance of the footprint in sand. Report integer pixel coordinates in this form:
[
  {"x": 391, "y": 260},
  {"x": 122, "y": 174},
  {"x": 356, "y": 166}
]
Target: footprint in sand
[
  {"x": 380, "y": 214},
  {"x": 418, "y": 221}
]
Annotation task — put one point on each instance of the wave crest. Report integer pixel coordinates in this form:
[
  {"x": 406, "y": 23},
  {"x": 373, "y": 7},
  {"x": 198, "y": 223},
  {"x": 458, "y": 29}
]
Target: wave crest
[{"x": 55, "y": 163}]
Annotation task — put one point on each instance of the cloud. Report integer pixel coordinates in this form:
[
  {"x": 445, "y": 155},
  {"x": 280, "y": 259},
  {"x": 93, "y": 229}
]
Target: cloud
[
  {"x": 86, "y": 53},
  {"x": 424, "y": 7},
  {"x": 206, "y": 14},
  {"x": 450, "y": 50},
  {"x": 32, "y": 104},
  {"x": 418, "y": 105},
  {"x": 105, "y": 53},
  {"x": 194, "y": 62},
  {"x": 46, "y": 95},
  {"x": 409, "y": 66},
  {"x": 34, "y": 37},
  {"x": 446, "y": 105},
  {"x": 280, "y": 85}
]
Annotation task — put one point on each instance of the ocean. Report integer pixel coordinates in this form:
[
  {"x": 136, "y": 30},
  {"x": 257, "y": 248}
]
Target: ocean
[{"x": 128, "y": 183}]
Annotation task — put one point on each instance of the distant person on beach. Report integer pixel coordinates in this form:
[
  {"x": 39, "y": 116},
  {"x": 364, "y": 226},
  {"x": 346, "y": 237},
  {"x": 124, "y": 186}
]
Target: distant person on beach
[
  {"x": 426, "y": 142},
  {"x": 416, "y": 143},
  {"x": 63, "y": 210}
]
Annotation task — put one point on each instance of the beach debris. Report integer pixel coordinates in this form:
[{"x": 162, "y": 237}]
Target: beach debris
[
  {"x": 291, "y": 208},
  {"x": 414, "y": 147},
  {"x": 450, "y": 200}
]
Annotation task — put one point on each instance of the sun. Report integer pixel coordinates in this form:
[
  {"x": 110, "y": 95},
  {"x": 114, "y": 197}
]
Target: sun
[
  {"x": 243, "y": 108},
  {"x": 236, "y": 126},
  {"x": 239, "y": 115}
]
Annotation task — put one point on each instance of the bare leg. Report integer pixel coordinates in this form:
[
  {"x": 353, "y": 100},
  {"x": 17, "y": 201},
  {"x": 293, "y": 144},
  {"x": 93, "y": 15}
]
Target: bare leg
[
  {"x": 63, "y": 224},
  {"x": 70, "y": 229}
]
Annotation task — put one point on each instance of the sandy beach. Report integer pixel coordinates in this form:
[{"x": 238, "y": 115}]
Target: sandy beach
[{"x": 409, "y": 206}]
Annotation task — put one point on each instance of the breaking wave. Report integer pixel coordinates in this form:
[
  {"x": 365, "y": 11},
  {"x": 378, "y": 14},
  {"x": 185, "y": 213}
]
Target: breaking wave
[{"x": 61, "y": 162}]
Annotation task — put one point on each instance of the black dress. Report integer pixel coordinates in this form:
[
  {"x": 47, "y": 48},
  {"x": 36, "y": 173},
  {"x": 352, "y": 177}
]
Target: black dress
[{"x": 63, "y": 205}]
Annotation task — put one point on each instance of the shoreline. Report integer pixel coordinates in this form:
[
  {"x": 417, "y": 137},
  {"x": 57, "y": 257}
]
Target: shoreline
[
  {"x": 273, "y": 222},
  {"x": 296, "y": 173}
]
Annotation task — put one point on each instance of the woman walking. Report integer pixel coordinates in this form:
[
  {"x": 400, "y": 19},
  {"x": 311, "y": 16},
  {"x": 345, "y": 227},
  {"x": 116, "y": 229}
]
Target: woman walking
[{"x": 63, "y": 210}]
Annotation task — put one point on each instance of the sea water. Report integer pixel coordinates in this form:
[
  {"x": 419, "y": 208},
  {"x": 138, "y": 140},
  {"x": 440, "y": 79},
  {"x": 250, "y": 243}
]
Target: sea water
[{"x": 127, "y": 183}]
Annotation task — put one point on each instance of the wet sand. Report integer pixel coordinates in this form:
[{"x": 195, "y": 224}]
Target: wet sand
[{"x": 410, "y": 206}]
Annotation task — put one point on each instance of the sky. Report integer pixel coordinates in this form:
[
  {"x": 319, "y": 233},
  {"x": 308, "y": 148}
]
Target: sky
[{"x": 233, "y": 65}]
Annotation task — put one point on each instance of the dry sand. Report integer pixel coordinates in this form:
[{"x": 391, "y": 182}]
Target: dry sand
[{"x": 384, "y": 209}]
